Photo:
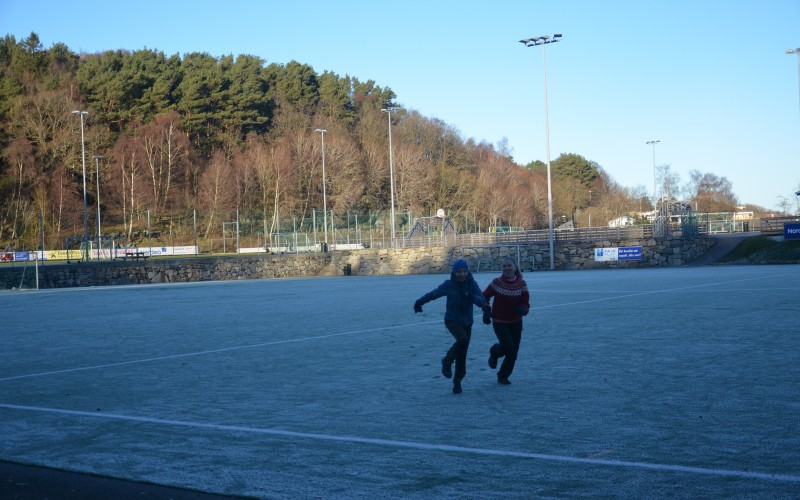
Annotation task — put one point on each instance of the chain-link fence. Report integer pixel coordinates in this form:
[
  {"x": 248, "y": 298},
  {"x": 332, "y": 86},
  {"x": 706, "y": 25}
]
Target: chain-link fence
[
  {"x": 146, "y": 234},
  {"x": 226, "y": 232}
]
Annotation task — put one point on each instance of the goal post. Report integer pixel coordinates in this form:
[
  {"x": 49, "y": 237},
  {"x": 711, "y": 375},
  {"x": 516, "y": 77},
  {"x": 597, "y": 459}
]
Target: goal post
[{"x": 484, "y": 255}]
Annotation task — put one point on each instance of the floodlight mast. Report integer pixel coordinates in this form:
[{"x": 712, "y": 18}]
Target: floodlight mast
[
  {"x": 797, "y": 195},
  {"x": 655, "y": 194},
  {"x": 97, "y": 180},
  {"x": 81, "y": 114},
  {"x": 531, "y": 42},
  {"x": 796, "y": 51},
  {"x": 790, "y": 52},
  {"x": 388, "y": 111},
  {"x": 324, "y": 196}
]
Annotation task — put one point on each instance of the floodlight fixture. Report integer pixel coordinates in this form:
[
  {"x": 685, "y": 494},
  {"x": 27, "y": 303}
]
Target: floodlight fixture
[{"x": 540, "y": 40}]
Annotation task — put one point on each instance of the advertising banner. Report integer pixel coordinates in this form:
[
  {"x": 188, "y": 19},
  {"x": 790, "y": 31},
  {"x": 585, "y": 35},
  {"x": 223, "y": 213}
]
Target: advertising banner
[
  {"x": 63, "y": 254},
  {"x": 605, "y": 254},
  {"x": 791, "y": 231},
  {"x": 629, "y": 253},
  {"x": 620, "y": 253},
  {"x": 185, "y": 250},
  {"x": 22, "y": 256}
]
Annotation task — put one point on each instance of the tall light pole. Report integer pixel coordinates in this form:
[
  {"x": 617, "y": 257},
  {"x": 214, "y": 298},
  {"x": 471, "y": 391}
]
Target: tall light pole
[
  {"x": 97, "y": 179},
  {"x": 530, "y": 42},
  {"x": 655, "y": 195},
  {"x": 388, "y": 111},
  {"x": 324, "y": 196},
  {"x": 797, "y": 196},
  {"x": 789, "y": 52},
  {"x": 85, "y": 210},
  {"x": 796, "y": 51}
]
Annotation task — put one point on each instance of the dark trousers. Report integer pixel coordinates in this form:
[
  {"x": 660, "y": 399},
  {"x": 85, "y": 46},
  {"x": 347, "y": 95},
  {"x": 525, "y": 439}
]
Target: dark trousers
[
  {"x": 458, "y": 351},
  {"x": 509, "y": 335}
]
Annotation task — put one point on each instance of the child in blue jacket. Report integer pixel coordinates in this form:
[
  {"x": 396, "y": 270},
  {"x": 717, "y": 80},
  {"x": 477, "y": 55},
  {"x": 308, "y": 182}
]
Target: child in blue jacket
[{"x": 462, "y": 293}]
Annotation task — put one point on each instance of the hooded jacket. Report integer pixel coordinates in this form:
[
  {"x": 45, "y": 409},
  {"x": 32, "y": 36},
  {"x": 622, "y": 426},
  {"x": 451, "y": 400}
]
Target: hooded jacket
[{"x": 460, "y": 299}]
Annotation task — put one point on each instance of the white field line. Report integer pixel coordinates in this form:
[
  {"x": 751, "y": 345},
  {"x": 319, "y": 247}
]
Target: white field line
[
  {"x": 663, "y": 290},
  {"x": 144, "y": 286},
  {"x": 214, "y": 351},
  {"x": 416, "y": 445}
]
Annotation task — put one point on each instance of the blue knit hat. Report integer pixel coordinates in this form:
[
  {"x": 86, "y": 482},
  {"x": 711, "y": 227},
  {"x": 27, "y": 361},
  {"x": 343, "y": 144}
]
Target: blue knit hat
[{"x": 460, "y": 264}]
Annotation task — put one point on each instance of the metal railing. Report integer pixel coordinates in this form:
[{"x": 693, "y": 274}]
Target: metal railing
[
  {"x": 774, "y": 225},
  {"x": 249, "y": 234},
  {"x": 528, "y": 237}
]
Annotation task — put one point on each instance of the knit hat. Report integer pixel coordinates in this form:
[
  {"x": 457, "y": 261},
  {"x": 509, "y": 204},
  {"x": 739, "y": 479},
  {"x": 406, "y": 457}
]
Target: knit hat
[{"x": 460, "y": 264}]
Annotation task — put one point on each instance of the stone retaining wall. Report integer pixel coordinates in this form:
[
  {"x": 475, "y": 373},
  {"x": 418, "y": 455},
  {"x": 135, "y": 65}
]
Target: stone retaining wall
[
  {"x": 572, "y": 255},
  {"x": 655, "y": 253}
]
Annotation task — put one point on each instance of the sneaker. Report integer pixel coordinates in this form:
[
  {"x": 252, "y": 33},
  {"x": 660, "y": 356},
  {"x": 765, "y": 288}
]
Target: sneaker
[
  {"x": 456, "y": 386},
  {"x": 492, "y": 358},
  {"x": 503, "y": 381},
  {"x": 446, "y": 369}
]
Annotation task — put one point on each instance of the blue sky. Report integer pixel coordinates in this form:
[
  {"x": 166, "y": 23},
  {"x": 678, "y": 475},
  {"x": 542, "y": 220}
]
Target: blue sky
[{"x": 709, "y": 79}]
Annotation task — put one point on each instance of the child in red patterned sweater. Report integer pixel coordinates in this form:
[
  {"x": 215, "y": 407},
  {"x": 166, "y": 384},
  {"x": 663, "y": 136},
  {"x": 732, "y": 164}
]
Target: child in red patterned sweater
[{"x": 511, "y": 303}]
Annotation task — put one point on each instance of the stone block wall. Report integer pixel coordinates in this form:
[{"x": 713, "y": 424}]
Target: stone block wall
[
  {"x": 425, "y": 260},
  {"x": 572, "y": 255}
]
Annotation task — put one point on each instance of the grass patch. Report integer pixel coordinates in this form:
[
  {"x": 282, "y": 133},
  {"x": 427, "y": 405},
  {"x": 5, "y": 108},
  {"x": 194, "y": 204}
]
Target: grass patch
[{"x": 764, "y": 249}]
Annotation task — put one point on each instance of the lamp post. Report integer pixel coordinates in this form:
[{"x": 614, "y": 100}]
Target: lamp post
[
  {"x": 796, "y": 51},
  {"x": 655, "y": 195},
  {"x": 97, "y": 179},
  {"x": 388, "y": 111},
  {"x": 85, "y": 211},
  {"x": 531, "y": 42},
  {"x": 797, "y": 196},
  {"x": 790, "y": 52},
  {"x": 324, "y": 196},
  {"x": 590, "y": 204}
]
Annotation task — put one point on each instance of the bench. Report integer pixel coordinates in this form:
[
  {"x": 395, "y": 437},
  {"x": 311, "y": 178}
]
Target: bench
[{"x": 135, "y": 255}]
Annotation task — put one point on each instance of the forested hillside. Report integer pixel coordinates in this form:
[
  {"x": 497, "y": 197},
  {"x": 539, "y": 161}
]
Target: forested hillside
[{"x": 171, "y": 136}]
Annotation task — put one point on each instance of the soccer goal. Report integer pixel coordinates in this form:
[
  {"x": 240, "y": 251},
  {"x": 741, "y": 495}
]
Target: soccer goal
[
  {"x": 487, "y": 257},
  {"x": 35, "y": 257}
]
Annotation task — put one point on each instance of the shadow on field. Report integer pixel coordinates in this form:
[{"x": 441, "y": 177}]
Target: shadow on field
[{"x": 18, "y": 481}]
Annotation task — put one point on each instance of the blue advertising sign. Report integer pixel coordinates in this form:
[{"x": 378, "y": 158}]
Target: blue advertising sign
[
  {"x": 629, "y": 253},
  {"x": 22, "y": 256},
  {"x": 791, "y": 231}
]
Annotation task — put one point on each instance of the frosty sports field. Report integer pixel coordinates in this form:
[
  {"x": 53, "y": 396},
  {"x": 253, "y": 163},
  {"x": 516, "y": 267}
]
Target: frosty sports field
[{"x": 630, "y": 383}]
